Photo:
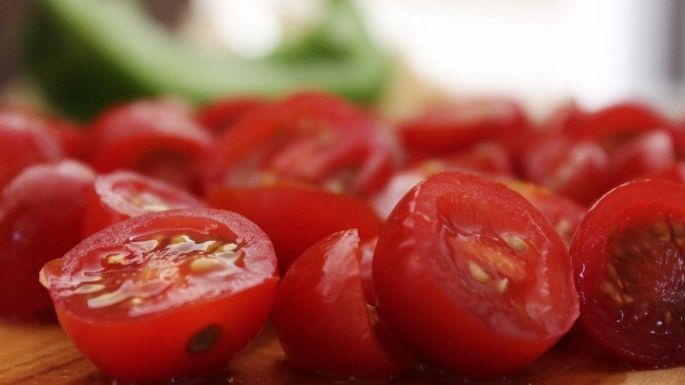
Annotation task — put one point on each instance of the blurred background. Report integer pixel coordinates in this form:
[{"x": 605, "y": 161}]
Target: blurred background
[{"x": 540, "y": 51}]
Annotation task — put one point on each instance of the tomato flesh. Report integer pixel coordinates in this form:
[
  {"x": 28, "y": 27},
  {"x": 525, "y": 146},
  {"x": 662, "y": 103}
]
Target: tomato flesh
[
  {"x": 122, "y": 195},
  {"x": 471, "y": 278},
  {"x": 322, "y": 318},
  {"x": 165, "y": 295},
  {"x": 41, "y": 214},
  {"x": 629, "y": 264}
]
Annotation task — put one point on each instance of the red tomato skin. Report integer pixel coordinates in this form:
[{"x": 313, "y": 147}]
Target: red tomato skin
[
  {"x": 155, "y": 137},
  {"x": 40, "y": 213},
  {"x": 423, "y": 316},
  {"x": 153, "y": 347},
  {"x": 25, "y": 139},
  {"x": 220, "y": 115},
  {"x": 645, "y": 154},
  {"x": 295, "y": 216},
  {"x": 321, "y": 317},
  {"x": 590, "y": 257},
  {"x": 106, "y": 207},
  {"x": 674, "y": 173},
  {"x": 153, "y": 350}
]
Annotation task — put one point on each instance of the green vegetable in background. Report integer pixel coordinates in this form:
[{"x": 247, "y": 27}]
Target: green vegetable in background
[{"x": 87, "y": 54}]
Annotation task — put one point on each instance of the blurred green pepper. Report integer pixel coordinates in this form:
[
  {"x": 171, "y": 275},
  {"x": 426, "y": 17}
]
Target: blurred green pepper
[{"x": 87, "y": 54}]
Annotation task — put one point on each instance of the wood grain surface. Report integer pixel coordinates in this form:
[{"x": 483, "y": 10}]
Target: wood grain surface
[{"x": 42, "y": 354}]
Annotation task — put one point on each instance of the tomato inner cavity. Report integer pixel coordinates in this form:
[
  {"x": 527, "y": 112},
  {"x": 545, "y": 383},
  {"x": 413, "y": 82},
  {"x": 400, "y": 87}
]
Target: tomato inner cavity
[
  {"x": 152, "y": 273},
  {"x": 643, "y": 287}
]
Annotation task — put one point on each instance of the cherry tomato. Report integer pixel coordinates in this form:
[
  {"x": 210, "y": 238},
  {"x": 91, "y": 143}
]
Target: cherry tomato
[
  {"x": 296, "y": 216},
  {"x": 629, "y": 269},
  {"x": 568, "y": 118},
  {"x": 576, "y": 168},
  {"x": 41, "y": 214},
  {"x": 674, "y": 173},
  {"x": 471, "y": 278},
  {"x": 154, "y": 137},
  {"x": 447, "y": 128},
  {"x": 25, "y": 139},
  {"x": 309, "y": 138},
  {"x": 643, "y": 155},
  {"x": 322, "y": 318},
  {"x": 617, "y": 123},
  {"x": 165, "y": 295},
  {"x": 123, "y": 195},
  {"x": 220, "y": 115},
  {"x": 561, "y": 212}
]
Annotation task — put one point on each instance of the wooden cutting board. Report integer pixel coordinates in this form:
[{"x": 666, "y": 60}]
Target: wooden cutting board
[{"x": 31, "y": 354}]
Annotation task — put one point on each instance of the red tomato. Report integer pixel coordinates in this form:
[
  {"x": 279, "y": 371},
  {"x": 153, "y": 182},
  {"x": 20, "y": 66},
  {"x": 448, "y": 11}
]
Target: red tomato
[
  {"x": 166, "y": 295},
  {"x": 622, "y": 121},
  {"x": 674, "y": 173},
  {"x": 309, "y": 138},
  {"x": 447, "y": 128},
  {"x": 578, "y": 169},
  {"x": 25, "y": 139},
  {"x": 220, "y": 115},
  {"x": 41, "y": 214},
  {"x": 123, "y": 195},
  {"x": 154, "y": 137},
  {"x": 568, "y": 118},
  {"x": 561, "y": 212},
  {"x": 296, "y": 216},
  {"x": 322, "y": 318},
  {"x": 643, "y": 155},
  {"x": 629, "y": 268},
  {"x": 471, "y": 278}
]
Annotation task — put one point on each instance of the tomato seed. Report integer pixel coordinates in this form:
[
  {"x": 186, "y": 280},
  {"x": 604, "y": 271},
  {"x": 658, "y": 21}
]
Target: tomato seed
[
  {"x": 205, "y": 339},
  {"x": 204, "y": 264},
  {"x": 515, "y": 242},
  {"x": 90, "y": 288},
  {"x": 478, "y": 273}
]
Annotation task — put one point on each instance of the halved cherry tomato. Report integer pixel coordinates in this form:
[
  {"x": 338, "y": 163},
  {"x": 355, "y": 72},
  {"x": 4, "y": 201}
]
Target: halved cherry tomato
[
  {"x": 323, "y": 320},
  {"x": 619, "y": 122},
  {"x": 629, "y": 269},
  {"x": 576, "y": 168},
  {"x": 451, "y": 127},
  {"x": 308, "y": 138},
  {"x": 295, "y": 216},
  {"x": 165, "y": 295},
  {"x": 122, "y": 195},
  {"x": 643, "y": 155},
  {"x": 154, "y": 137},
  {"x": 41, "y": 214},
  {"x": 25, "y": 139},
  {"x": 674, "y": 173},
  {"x": 568, "y": 118},
  {"x": 221, "y": 114},
  {"x": 471, "y": 278}
]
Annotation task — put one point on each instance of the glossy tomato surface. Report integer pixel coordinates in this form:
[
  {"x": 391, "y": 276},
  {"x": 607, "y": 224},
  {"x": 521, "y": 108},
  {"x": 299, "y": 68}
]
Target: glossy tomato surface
[
  {"x": 629, "y": 269},
  {"x": 221, "y": 114},
  {"x": 322, "y": 317},
  {"x": 41, "y": 214},
  {"x": 156, "y": 137},
  {"x": 122, "y": 195},
  {"x": 166, "y": 295},
  {"x": 295, "y": 216},
  {"x": 309, "y": 138},
  {"x": 643, "y": 155},
  {"x": 471, "y": 278},
  {"x": 25, "y": 139}
]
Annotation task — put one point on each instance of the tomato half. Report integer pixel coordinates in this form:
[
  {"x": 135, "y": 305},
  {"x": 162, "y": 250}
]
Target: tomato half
[
  {"x": 323, "y": 319},
  {"x": 643, "y": 155},
  {"x": 456, "y": 126},
  {"x": 154, "y": 137},
  {"x": 25, "y": 139},
  {"x": 41, "y": 214},
  {"x": 166, "y": 295},
  {"x": 629, "y": 268},
  {"x": 221, "y": 114},
  {"x": 295, "y": 216},
  {"x": 308, "y": 138},
  {"x": 122, "y": 195},
  {"x": 471, "y": 278}
]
